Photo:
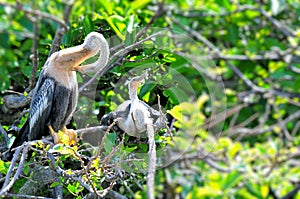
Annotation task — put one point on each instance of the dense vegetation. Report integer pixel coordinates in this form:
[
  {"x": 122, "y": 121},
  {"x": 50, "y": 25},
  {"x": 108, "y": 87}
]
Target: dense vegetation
[{"x": 225, "y": 72}]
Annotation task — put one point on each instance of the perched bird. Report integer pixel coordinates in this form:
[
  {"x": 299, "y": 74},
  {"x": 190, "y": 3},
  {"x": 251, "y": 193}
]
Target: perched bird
[
  {"x": 56, "y": 92},
  {"x": 131, "y": 116}
]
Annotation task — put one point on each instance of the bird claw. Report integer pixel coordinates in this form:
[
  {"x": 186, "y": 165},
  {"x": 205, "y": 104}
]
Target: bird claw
[{"x": 64, "y": 136}]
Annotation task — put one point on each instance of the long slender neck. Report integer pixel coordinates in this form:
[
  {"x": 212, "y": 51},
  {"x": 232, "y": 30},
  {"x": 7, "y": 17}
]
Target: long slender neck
[
  {"x": 101, "y": 61},
  {"x": 133, "y": 97}
]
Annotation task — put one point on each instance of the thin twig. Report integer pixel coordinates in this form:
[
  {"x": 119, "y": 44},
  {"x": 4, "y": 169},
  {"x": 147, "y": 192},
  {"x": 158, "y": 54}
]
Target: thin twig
[
  {"x": 108, "y": 157},
  {"x": 4, "y": 134},
  {"x": 284, "y": 30},
  {"x": 12, "y": 166},
  {"x": 259, "y": 130},
  {"x": 32, "y": 79},
  {"x": 37, "y": 13},
  {"x": 62, "y": 29},
  {"x": 158, "y": 13},
  {"x": 25, "y": 196},
  {"x": 100, "y": 146},
  {"x": 163, "y": 118},
  {"x": 5, "y": 189}
]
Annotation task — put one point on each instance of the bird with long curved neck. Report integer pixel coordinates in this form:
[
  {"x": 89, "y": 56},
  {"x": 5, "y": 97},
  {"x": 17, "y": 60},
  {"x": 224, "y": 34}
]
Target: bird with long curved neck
[
  {"x": 56, "y": 93},
  {"x": 132, "y": 115}
]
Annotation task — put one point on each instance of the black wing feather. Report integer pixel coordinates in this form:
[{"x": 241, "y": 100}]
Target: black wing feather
[{"x": 40, "y": 108}]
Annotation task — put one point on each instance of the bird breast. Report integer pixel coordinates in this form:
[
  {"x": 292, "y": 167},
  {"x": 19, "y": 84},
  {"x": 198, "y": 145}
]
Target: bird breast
[
  {"x": 63, "y": 77},
  {"x": 134, "y": 124}
]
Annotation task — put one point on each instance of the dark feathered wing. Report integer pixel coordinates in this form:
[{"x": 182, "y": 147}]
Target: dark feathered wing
[{"x": 40, "y": 108}]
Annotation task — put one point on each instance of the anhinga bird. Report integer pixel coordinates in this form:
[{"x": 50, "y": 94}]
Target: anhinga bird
[
  {"x": 56, "y": 92},
  {"x": 131, "y": 115}
]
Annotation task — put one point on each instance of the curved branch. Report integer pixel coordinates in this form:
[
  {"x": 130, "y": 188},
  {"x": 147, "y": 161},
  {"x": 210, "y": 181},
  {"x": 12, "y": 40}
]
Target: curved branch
[{"x": 37, "y": 13}]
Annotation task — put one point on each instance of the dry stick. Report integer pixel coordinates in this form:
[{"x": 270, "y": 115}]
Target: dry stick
[
  {"x": 216, "y": 119},
  {"x": 86, "y": 169},
  {"x": 12, "y": 165},
  {"x": 246, "y": 121},
  {"x": 26, "y": 196},
  {"x": 86, "y": 173},
  {"x": 32, "y": 79},
  {"x": 152, "y": 159},
  {"x": 4, "y": 134},
  {"x": 163, "y": 118},
  {"x": 275, "y": 22},
  {"x": 157, "y": 14},
  {"x": 63, "y": 173},
  {"x": 100, "y": 72},
  {"x": 202, "y": 155},
  {"x": 108, "y": 189},
  {"x": 72, "y": 176},
  {"x": 295, "y": 129},
  {"x": 283, "y": 126},
  {"x": 38, "y": 13},
  {"x": 113, "y": 152},
  {"x": 259, "y": 130},
  {"x": 81, "y": 182},
  {"x": 20, "y": 168},
  {"x": 143, "y": 31},
  {"x": 62, "y": 29},
  {"x": 100, "y": 146}
]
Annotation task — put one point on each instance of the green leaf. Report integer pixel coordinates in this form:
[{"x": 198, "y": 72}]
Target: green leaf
[
  {"x": 130, "y": 32},
  {"x": 176, "y": 95},
  {"x": 138, "y": 4},
  {"x": 54, "y": 184},
  {"x": 4, "y": 166},
  {"x": 27, "y": 71},
  {"x": 231, "y": 180},
  {"x": 146, "y": 88},
  {"x": 277, "y": 6},
  {"x": 110, "y": 142},
  {"x": 116, "y": 22},
  {"x": 233, "y": 33}
]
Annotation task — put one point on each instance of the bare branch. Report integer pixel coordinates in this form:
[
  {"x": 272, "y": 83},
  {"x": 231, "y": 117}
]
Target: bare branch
[
  {"x": 4, "y": 135},
  {"x": 275, "y": 22},
  {"x": 7, "y": 187},
  {"x": 34, "y": 58},
  {"x": 37, "y": 13},
  {"x": 158, "y": 13},
  {"x": 261, "y": 130},
  {"x": 62, "y": 29},
  {"x": 25, "y": 196},
  {"x": 152, "y": 159}
]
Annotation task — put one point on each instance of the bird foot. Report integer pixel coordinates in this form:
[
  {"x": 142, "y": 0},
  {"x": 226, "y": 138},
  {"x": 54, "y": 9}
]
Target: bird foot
[{"x": 64, "y": 136}]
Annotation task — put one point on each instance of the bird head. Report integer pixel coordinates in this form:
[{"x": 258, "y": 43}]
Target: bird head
[
  {"x": 134, "y": 84},
  {"x": 92, "y": 42}
]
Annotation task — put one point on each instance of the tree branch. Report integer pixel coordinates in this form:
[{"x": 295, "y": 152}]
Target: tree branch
[
  {"x": 7, "y": 186},
  {"x": 152, "y": 159},
  {"x": 35, "y": 56},
  {"x": 37, "y": 13},
  {"x": 62, "y": 29}
]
